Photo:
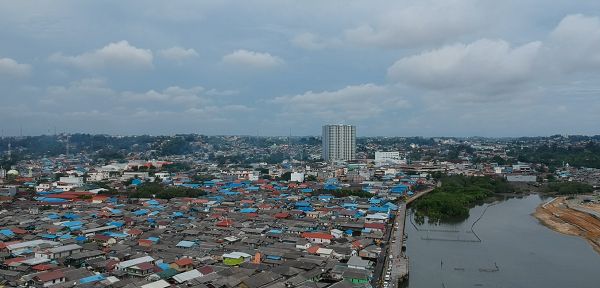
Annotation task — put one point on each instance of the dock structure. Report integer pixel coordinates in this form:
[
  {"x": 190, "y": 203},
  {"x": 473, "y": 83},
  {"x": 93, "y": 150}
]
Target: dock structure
[{"x": 396, "y": 258}]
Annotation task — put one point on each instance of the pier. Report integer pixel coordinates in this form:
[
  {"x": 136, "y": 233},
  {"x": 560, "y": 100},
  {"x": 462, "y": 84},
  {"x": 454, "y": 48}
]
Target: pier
[{"x": 395, "y": 257}]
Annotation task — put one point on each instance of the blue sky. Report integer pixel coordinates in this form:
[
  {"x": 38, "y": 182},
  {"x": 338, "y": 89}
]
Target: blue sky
[{"x": 393, "y": 68}]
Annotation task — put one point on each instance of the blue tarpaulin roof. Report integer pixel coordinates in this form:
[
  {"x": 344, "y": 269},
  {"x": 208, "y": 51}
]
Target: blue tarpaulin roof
[
  {"x": 140, "y": 212},
  {"x": 71, "y": 216},
  {"x": 7, "y": 232},
  {"x": 330, "y": 187},
  {"x": 50, "y": 200},
  {"x": 399, "y": 189},
  {"x": 50, "y": 236},
  {"x": 248, "y": 210},
  {"x": 116, "y": 223},
  {"x": 93, "y": 278},
  {"x": 302, "y": 204},
  {"x": 163, "y": 266},
  {"x": 152, "y": 202},
  {"x": 66, "y": 236},
  {"x": 185, "y": 244},
  {"x": 72, "y": 223}
]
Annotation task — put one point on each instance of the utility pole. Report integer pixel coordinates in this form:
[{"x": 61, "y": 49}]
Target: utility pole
[{"x": 67, "y": 156}]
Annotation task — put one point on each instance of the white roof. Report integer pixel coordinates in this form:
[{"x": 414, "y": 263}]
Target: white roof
[
  {"x": 35, "y": 261},
  {"x": 65, "y": 248},
  {"x": 29, "y": 244},
  {"x": 377, "y": 216},
  {"x": 236, "y": 255},
  {"x": 135, "y": 261},
  {"x": 157, "y": 284},
  {"x": 112, "y": 279},
  {"x": 186, "y": 276},
  {"x": 108, "y": 227},
  {"x": 324, "y": 251}
]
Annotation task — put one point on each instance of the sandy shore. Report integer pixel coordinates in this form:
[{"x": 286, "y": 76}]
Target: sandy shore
[{"x": 558, "y": 217}]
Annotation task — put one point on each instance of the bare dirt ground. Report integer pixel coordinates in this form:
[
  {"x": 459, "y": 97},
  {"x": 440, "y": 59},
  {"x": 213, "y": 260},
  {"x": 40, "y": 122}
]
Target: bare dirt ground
[{"x": 560, "y": 218}]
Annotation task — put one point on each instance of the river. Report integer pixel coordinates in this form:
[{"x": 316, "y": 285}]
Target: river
[{"x": 515, "y": 251}]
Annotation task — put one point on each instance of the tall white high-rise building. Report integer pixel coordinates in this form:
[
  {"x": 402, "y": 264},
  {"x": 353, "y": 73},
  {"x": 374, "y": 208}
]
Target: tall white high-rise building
[{"x": 339, "y": 142}]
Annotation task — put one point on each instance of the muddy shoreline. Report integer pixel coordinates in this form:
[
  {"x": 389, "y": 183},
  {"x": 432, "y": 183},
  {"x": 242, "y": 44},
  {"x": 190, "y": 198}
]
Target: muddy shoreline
[{"x": 567, "y": 221}]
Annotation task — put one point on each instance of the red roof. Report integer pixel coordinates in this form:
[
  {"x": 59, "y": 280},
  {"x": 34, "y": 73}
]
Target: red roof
[
  {"x": 205, "y": 270},
  {"x": 13, "y": 260},
  {"x": 18, "y": 231},
  {"x": 317, "y": 235},
  {"x": 49, "y": 276},
  {"x": 281, "y": 215},
  {"x": 379, "y": 226},
  {"x": 145, "y": 266},
  {"x": 225, "y": 223},
  {"x": 313, "y": 249},
  {"x": 184, "y": 262},
  {"x": 134, "y": 231},
  {"x": 43, "y": 267},
  {"x": 4, "y": 244}
]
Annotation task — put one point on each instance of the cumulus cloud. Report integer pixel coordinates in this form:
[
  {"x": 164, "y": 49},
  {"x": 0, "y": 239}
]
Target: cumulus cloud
[
  {"x": 575, "y": 43},
  {"x": 483, "y": 67},
  {"x": 352, "y": 102},
  {"x": 425, "y": 23},
  {"x": 178, "y": 54},
  {"x": 252, "y": 59},
  {"x": 10, "y": 67},
  {"x": 114, "y": 55}
]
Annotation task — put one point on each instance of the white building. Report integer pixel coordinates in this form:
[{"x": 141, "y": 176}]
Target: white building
[
  {"x": 388, "y": 158},
  {"x": 72, "y": 181},
  {"x": 297, "y": 177},
  {"x": 339, "y": 142}
]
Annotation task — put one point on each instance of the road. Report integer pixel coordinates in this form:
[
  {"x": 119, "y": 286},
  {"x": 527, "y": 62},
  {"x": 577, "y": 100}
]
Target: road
[{"x": 394, "y": 256}]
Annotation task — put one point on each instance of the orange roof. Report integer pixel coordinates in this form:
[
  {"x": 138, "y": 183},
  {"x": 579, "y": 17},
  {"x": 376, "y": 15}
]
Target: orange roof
[
  {"x": 317, "y": 235},
  {"x": 224, "y": 223},
  {"x": 313, "y": 249},
  {"x": 4, "y": 244},
  {"x": 18, "y": 231},
  {"x": 145, "y": 242},
  {"x": 14, "y": 260},
  {"x": 184, "y": 262}
]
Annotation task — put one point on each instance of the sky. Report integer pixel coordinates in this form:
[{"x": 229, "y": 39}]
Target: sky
[{"x": 392, "y": 68}]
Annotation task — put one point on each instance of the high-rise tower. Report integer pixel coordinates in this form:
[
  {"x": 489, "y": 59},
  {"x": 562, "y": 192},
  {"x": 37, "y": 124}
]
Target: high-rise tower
[{"x": 339, "y": 142}]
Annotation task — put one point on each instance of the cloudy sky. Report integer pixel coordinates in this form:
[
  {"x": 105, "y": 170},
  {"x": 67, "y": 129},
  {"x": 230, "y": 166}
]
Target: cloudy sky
[{"x": 393, "y": 68}]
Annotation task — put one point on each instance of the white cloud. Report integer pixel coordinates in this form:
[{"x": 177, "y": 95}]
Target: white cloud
[
  {"x": 428, "y": 22},
  {"x": 349, "y": 103},
  {"x": 118, "y": 55},
  {"x": 575, "y": 43},
  {"x": 10, "y": 67},
  {"x": 482, "y": 67},
  {"x": 252, "y": 59},
  {"x": 178, "y": 54}
]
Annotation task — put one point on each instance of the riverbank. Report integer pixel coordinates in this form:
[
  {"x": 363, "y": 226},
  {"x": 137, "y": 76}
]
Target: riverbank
[
  {"x": 568, "y": 218},
  {"x": 511, "y": 239}
]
